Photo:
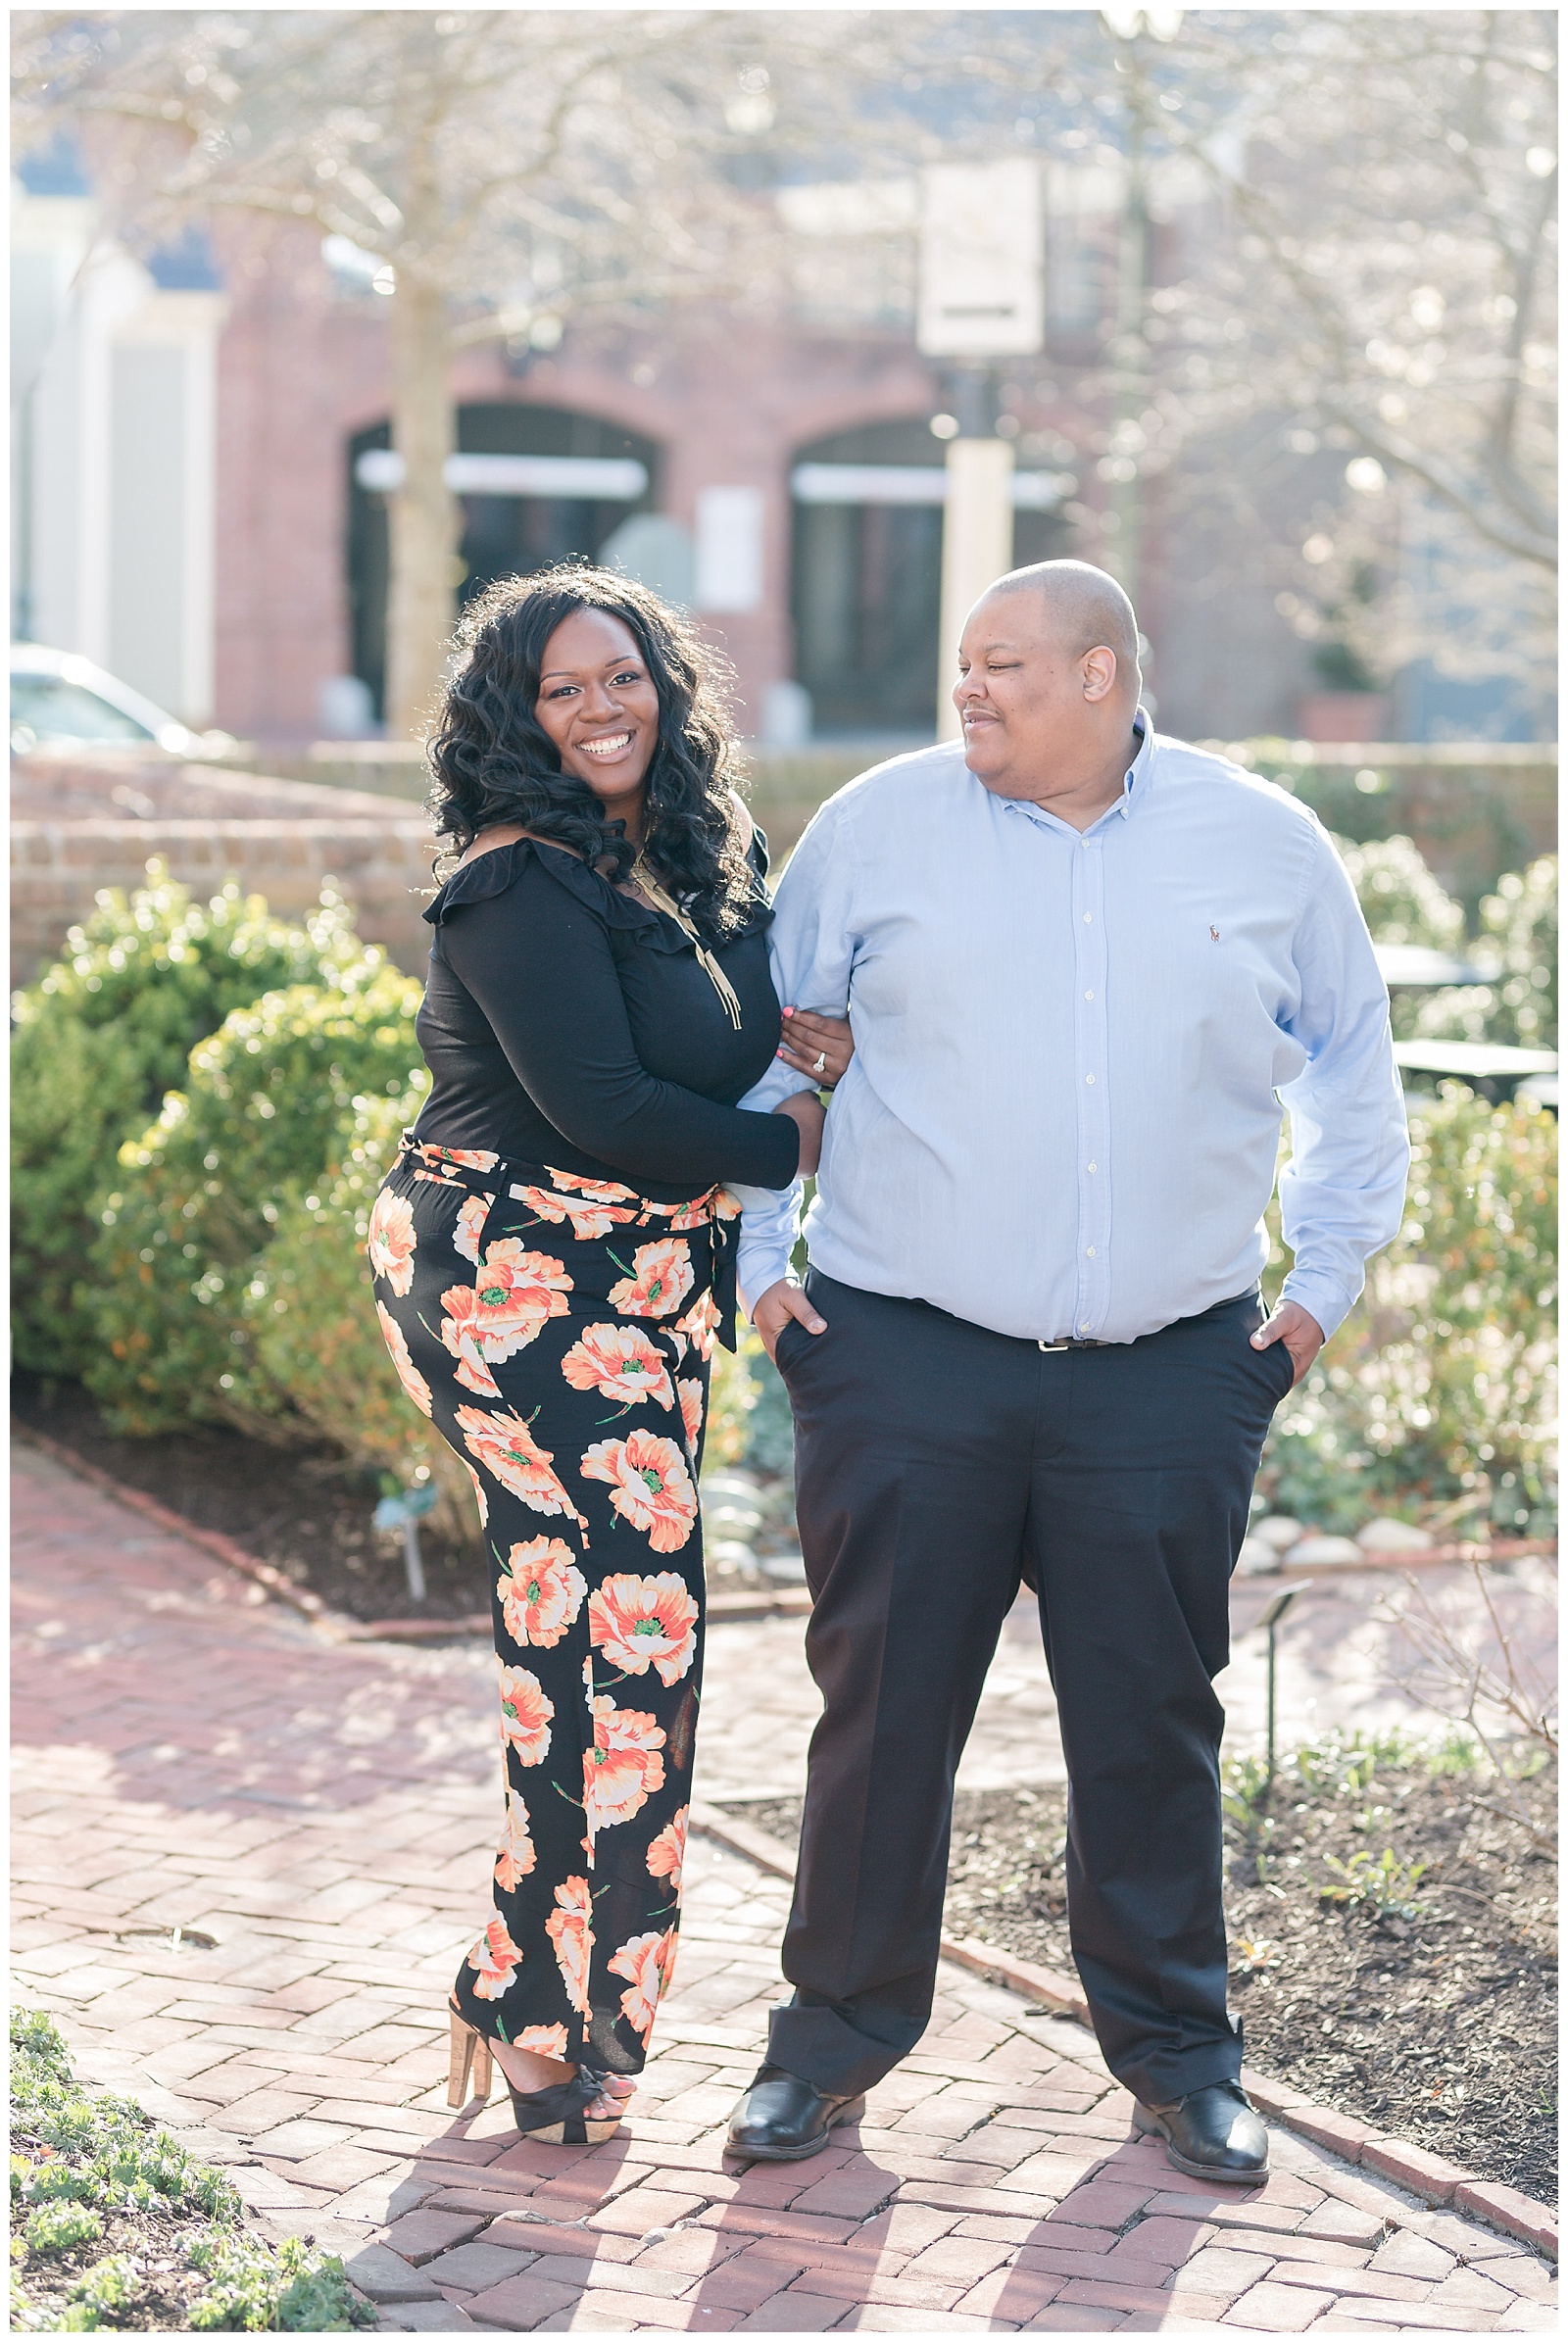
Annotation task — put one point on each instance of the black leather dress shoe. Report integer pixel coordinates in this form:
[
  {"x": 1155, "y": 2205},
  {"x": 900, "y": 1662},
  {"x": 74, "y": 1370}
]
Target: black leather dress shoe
[
  {"x": 783, "y": 2120},
  {"x": 1210, "y": 2134}
]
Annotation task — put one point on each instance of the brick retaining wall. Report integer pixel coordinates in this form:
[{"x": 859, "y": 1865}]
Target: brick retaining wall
[
  {"x": 280, "y": 839},
  {"x": 1473, "y": 807},
  {"x": 93, "y": 819}
]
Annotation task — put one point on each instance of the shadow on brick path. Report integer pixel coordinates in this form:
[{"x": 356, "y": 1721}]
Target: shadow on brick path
[{"x": 189, "y": 1755}]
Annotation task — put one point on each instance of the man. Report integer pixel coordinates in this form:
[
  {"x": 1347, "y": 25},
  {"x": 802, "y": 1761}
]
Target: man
[{"x": 1084, "y": 967}]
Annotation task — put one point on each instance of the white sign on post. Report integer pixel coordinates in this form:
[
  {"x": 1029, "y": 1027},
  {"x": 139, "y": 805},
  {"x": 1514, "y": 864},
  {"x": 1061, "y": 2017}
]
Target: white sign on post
[{"x": 982, "y": 260}]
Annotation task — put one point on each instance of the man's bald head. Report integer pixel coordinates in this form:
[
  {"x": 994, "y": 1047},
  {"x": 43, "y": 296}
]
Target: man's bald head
[
  {"x": 1047, "y": 688},
  {"x": 1082, "y": 608}
]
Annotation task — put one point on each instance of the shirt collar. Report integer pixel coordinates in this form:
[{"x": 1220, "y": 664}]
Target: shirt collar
[{"x": 1138, "y": 771}]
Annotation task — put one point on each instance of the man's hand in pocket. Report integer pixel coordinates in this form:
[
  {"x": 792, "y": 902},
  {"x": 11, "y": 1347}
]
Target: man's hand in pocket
[{"x": 782, "y": 1302}]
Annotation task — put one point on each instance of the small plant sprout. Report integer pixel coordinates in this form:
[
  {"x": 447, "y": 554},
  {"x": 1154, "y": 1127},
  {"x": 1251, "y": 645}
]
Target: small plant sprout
[{"x": 1380, "y": 1883}]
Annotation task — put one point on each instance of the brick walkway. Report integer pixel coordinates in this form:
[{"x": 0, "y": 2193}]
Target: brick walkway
[{"x": 190, "y": 1756}]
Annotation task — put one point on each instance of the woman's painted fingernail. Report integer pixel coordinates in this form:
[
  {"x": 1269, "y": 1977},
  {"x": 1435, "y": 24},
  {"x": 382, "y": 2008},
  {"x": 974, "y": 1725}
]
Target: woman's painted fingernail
[{"x": 788, "y": 1012}]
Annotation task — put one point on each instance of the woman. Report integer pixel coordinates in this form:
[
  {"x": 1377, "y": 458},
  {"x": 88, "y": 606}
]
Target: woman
[{"x": 553, "y": 1260}]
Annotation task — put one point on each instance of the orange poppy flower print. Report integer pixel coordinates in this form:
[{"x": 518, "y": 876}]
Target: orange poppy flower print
[
  {"x": 695, "y": 1214},
  {"x": 691, "y": 1411},
  {"x": 666, "y": 1856},
  {"x": 541, "y": 1591},
  {"x": 545, "y": 2040},
  {"x": 512, "y": 1295},
  {"x": 525, "y": 1713},
  {"x": 391, "y": 1241},
  {"x": 650, "y": 1486},
  {"x": 660, "y": 1279},
  {"x": 620, "y": 1362},
  {"x": 459, "y": 1158},
  {"x": 479, "y": 1496},
  {"x": 515, "y": 1856},
  {"x": 494, "y": 1957},
  {"x": 623, "y": 1768},
  {"x": 640, "y": 1622},
  {"x": 509, "y": 1453},
  {"x": 414, "y": 1383},
  {"x": 607, "y": 1190},
  {"x": 649, "y": 1960},
  {"x": 570, "y": 1928},
  {"x": 700, "y": 1324},
  {"x": 469, "y": 1227},
  {"x": 590, "y": 1218}
]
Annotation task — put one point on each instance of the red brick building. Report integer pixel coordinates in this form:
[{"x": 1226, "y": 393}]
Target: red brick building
[{"x": 193, "y": 514}]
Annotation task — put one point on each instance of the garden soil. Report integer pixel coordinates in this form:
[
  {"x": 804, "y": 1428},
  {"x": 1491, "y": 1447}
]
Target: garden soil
[
  {"x": 304, "y": 1509},
  {"x": 1439, "y": 2028},
  {"x": 309, "y": 1512}
]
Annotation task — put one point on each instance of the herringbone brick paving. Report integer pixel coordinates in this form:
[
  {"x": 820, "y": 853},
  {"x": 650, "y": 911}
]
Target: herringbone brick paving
[{"x": 190, "y": 1756}]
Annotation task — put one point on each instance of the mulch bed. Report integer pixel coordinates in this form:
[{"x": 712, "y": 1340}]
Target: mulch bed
[
  {"x": 308, "y": 1512},
  {"x": 303, "y": 1509},
  {"x": 1441, "y": 2029}
]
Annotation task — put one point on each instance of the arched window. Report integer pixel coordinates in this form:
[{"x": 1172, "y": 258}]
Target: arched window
[
  {"x": 558, "y": 483},
  {"x": 866, "y": 580},
  {"x": 866, "y": 574}
]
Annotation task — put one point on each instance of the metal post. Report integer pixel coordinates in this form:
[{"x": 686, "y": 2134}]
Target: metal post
[
  {"x": 976, "y": 549},
  {"x": 403, "y": 1511},
  {"x": 1272, "y": 1631},
  {"x": 981, "y": 297},
  {"x": 1124, "y": 553},
  {"x": 1270, "y": 1620},
  {"x": 413, "y": 1561}
]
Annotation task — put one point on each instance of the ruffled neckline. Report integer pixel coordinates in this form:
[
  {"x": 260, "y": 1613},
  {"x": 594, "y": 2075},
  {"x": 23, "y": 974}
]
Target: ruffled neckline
[{"x": 491, "y": 874}]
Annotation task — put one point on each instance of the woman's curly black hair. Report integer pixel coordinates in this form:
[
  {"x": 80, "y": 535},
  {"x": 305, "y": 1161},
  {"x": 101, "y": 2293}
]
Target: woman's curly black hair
[{"x": 493, "y": 761}]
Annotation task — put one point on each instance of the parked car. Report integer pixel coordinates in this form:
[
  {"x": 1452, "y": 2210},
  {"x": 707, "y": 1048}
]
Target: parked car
[{"x": 58, "y": 697}]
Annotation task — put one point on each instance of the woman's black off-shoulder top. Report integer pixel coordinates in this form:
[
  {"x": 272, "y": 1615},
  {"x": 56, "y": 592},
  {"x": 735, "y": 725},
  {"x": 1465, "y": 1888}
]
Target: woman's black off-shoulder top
[{"x": 567, "y": 1023}]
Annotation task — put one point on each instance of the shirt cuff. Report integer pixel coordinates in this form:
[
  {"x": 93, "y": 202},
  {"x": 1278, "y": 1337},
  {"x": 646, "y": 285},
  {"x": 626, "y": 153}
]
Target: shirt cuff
[
  {"x": 758, "y": 1264},
  {"x": 1322, "y": 1300}
]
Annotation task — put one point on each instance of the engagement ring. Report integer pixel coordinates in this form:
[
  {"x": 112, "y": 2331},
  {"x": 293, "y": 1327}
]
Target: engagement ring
[{"x": 819, "y": 1062}]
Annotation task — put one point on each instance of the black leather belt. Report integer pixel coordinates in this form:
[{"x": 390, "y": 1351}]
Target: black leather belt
[{"x": 1075, "y": 1342}]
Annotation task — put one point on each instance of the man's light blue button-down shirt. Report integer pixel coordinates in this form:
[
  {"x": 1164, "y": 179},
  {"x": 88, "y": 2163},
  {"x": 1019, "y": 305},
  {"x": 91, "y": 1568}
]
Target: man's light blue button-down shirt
[{"x": 1072, "y": 1050}]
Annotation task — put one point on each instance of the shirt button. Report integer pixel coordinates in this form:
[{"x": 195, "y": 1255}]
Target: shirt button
[
  {"x": 1094, "y": 1166},
  {"x": 1083, "y": 1328},
  {"x": 1091, "y": 1251},
  {"x": 1090, "y": 1079},
  {"x": 1089, "y": 995},
  {"x": 1089, "y": 918}
]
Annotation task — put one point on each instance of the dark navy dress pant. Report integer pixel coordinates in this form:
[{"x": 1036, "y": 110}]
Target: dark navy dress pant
[{"x": 938, "y": 1466}]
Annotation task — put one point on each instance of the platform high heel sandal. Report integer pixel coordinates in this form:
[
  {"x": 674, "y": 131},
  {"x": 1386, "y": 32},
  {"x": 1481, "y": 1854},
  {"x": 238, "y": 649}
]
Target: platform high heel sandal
[
  {"x": 469, "y": 2055},
  {"x": 555, "y": 2116}
]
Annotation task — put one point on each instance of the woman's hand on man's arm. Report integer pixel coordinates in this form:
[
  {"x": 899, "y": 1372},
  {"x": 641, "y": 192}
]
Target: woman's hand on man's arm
[
  {"x": 817, "y": 1044},
  {"x": 808, "y": 1112}
]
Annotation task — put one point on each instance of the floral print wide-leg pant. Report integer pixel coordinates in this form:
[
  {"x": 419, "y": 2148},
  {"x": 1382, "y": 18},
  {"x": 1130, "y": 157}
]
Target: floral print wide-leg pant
[{"x": 558, "y": 1331}]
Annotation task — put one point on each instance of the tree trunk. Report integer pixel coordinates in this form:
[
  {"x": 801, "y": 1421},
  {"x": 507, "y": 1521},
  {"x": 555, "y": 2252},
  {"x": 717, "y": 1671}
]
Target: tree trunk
[{"x": 423, "y": 514}]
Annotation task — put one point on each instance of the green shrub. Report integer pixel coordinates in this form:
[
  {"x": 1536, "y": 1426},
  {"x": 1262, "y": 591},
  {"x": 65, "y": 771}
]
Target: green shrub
[
  {"x": 260, "y": 1124},
  {"x": 1437, "y": 1389},
  {"x": 1404, "y": 903},
  {"x": 1519, "y": 934},
  {"x": 309, "y": 1309},
  {"x": 1400, "y": 899},
  {"x": 98, "y": 1040}
]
